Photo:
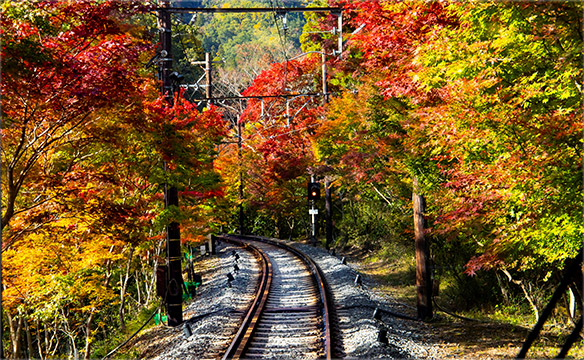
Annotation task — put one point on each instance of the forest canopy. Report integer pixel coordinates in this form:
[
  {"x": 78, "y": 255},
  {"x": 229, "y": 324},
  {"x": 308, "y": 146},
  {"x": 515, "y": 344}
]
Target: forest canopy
[{"x": 475, "y": 105}]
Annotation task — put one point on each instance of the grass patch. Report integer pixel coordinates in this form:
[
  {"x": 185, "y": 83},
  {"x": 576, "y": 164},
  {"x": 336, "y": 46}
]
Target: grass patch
[
  {"x": 393, "y": 268},
  {"x": 500, "y": 330},
  {"x": 103, "y": 347}
]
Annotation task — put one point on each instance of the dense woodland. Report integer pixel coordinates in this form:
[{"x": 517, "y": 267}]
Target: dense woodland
[{"x": 475, "y": 105}]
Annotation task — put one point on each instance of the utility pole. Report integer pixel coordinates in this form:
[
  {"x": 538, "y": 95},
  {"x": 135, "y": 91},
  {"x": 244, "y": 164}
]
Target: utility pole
[
  {"x": 328, "y": 212},
  {"x": 324, "y": 85},
  {"x": 173, "y": 252},
  {"x": 327, "y": 183},
  {"x": 209, "y": 90},
  {"x": 241, "y": 219},
  {"x": 422, "y": 243}
]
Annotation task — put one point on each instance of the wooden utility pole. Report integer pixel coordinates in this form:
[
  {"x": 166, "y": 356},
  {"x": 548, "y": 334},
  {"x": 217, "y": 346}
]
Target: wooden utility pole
[
  {"x": 422, "y": 242},
  {"x": 173, "y": 252}
]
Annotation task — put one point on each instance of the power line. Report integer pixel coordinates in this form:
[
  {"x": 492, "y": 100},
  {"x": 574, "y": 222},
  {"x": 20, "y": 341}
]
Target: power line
[
  {"x": 250, "y": 10},
  {"x": 259, "y": 97}
]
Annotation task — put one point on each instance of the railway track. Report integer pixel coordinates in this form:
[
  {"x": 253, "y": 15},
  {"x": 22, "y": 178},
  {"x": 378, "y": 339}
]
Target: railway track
[{"x": 289, "y": 318}]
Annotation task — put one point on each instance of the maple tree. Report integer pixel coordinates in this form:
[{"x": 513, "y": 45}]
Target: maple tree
[
  {"x": 68, "y": 66},
  {"x": 85, "y": 135},
  {"x": 276, "y": 149},
  {"x": 512, "y": 163},
  {"x": 477, "y": 102},
  {"x": 480, "y": 102},
  {"x": 449, "y": 101},
  {"x": 55, "y": 74}
]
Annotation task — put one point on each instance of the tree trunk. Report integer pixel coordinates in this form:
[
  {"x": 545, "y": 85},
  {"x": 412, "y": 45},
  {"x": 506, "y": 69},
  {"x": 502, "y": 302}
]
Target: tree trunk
[
  {"x": 422, "y": 244},
  {"x": 575, "y": 293},
  {"x": 11, "y": 200},
  {"x": 504, "y": 291},
  {"x": 88, "y": 335},
  {"x": 39, "y": 338},
  {"x": 149, "y": 284},
  {"x": 525, "y": 293},
  {"x": 52, "y": 344},
  {"x": 15, "y": 325},
  {"x": 291, "y": 223},
  {"x": 123, "y": 286},
  {"x": 29, "y": 342},
  {"x": 138, "y": 290},
  {"x": 152, "y": 285}
]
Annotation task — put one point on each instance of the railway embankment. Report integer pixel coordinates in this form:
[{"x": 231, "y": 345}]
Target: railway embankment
[{"x": 370, "y": 321}]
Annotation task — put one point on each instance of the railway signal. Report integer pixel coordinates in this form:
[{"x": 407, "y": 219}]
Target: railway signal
[
  {"x": 313, "y": 191},
  {"x": 313, "y": 195}
]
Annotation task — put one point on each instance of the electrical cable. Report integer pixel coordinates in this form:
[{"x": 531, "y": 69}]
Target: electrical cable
[
  {"x": 388, "y": 312},
  {"x": 454, "y": 315},
  {"x": 132, "y": 336}
]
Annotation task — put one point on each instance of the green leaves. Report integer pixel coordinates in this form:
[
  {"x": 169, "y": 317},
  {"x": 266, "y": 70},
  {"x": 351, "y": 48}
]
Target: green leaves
[
  {"x": 507, "y": 97},
  {"x": 480, "y": 100}
]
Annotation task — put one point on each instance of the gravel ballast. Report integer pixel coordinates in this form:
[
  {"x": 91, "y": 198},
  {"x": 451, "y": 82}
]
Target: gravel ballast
[
  {"x": 218, "y": 309},
  {"x": 213, "y": 316},
  {"x": 360, "y": 332}
]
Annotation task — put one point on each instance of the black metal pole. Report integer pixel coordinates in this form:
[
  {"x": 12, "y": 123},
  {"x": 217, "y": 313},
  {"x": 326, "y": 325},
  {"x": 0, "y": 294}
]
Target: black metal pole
[
  {"x": 313, "y": 212},
  {"x": 572, "y": 338},
  {"x": 241, "y": 215},
  {"x": 571, "y": 269},
  {"x": 328, "y": 212},
  {"x": 208, "y": 76},
  {"x": 173, "y": 251}
]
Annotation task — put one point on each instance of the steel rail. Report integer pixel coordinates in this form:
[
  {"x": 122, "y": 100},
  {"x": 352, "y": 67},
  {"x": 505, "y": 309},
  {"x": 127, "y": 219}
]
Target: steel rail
[
  {"x": 325, "y": 299},
  {"x": 245, "y": 332}
]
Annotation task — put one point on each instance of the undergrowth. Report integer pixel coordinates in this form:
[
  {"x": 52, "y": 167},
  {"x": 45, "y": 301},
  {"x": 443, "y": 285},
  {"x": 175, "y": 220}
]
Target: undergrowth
[{"x": 103, "y": 347}]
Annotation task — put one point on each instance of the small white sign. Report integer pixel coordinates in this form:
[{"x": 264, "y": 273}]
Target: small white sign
[{"x": 313, "y": 211}]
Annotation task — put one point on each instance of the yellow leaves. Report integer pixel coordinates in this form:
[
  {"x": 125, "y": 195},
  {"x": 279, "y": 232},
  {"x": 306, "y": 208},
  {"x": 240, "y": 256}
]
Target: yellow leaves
[{"x": 61, "y": 263}]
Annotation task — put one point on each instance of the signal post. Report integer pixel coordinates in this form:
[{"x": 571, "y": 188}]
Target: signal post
[{"x": 313, "y": 195}]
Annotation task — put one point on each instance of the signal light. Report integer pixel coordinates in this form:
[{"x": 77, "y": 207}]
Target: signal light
[{"x": 313, "y": 191}]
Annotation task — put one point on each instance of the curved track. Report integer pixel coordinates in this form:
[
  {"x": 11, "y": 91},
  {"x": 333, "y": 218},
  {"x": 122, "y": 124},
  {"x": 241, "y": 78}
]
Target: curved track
[{"x": 289, "y": 318}]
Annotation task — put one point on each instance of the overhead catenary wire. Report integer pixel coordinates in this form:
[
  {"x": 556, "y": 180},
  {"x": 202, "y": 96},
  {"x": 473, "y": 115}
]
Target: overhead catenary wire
[
  {"x": 279, "y": 13},
  {"x": 189, "y": 60}
]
